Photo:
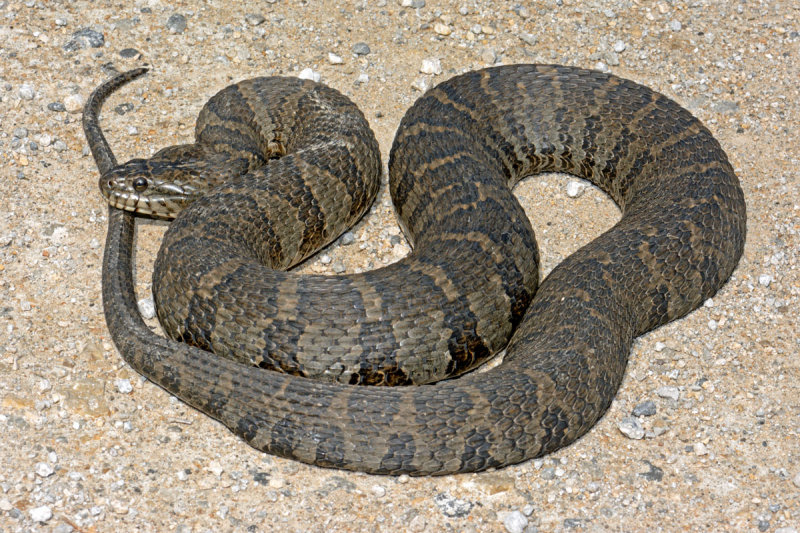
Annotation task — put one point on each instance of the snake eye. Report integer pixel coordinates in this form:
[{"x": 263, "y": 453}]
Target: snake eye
[{"x": 139, "y": 184}]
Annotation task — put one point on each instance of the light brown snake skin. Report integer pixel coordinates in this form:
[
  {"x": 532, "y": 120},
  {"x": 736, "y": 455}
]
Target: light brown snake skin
[{"x": 680, "y": 237}]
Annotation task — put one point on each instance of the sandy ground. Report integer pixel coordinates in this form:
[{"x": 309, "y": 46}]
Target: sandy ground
[{"x": 88, "y": 445}]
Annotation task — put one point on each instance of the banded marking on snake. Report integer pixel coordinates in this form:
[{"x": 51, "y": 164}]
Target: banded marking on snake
[{"x": 680, "y": 237}]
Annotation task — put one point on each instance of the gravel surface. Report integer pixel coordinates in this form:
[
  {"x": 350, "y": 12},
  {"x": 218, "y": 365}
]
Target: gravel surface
[{"x": 703, "y": 434}]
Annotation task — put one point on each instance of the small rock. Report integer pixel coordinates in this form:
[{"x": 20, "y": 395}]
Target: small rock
[
  {"x": 325, "y": 259},
  {"x": 309, "y": 74},
  {"x": 700, "y": 449},
  {"x": 43, "y": 470},
  {"x": 20, "y": 133},
  {"x": 361, "y": 49},
  {"x": 5, "y": 505},
  {"x": 765, "y": 280},
  {"x": 85, "y": 38},
  {"x": 431, "y": 66},
  {"x": 670, "y": 393},
  {"x": 41, "y": 514},
  {"x": 338, "y": 267},
  {"x": 348, "y": 238},
  {"x": 123, "y": 386},
  {"x": 59, "y": 146},
  {"x": 128, "y": 53},
  {"x": 489, "y": 56},
  {"x": 74, "y": 103},
  {"x": 620, "y": 46},
  {"x": 147, "y": 308},
  {"x": 442, "y": 29},
  {"x": 254, "y": 19},
  {"x": 675, "y": 25},
  {"x": 176, "y": 23},
  {"x": 515, "y": 522},
  {"x": 333, "y": 59},
  {"x": 416, "y": 4},
  {"x": 659, "y": 347},
  {"x": 647, "y": 408},
  {"x": 631, "y": 428},
  {"x": 421, "y": 84},
  {"x": 796, "y": 480},
  {"x": 27, "y": 92},
  {"x": 452, "y": 507},
  {"x": 575, "y": 188},
  {"x": 57, "y": 107},
  {"x": 362, "y": 78},
  {"x": 528, "y": 38},
  {"x": 378, "y": 491}
]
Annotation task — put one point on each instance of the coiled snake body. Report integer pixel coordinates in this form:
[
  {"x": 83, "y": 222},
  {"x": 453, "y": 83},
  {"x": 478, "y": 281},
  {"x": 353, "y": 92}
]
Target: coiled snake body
[{"x": 455, "y": 154}]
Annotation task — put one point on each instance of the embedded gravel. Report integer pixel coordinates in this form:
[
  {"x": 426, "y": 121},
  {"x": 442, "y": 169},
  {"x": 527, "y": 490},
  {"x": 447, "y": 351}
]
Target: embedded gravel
[{"x": 704, "y": 433}]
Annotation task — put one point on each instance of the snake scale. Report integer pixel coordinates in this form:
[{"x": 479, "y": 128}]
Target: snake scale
[{"x": 681, "y": 234}]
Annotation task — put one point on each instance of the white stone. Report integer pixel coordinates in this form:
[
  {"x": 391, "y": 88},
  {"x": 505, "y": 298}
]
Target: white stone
[
  {"x": 515, "y": 522},
  {"x": 575, "y": 188},
  {"x": 43, "y": 470},
  {"x": 147, "y": 308},
  {"x": 309, "y": 74},
  {"x": 123, "y": 386},
  {"x": 74, "y": 103},
  {"x": 431, "y": 66},
  {"x": 333, "y": 59},
  {"x": 41, "y": 514}
]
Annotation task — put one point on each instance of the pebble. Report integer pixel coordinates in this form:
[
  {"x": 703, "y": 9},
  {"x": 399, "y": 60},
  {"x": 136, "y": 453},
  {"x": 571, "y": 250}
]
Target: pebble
[
  {"x": 361, "y": 49},
  {"x": 700, "y": 449},
  {"x": 575, "y": 188},
  {"x": 647, "y": 408},
  {"x": 348, "y": 238},
  {"x": 27, "y": 92},
  {"x": 41, "y": 514},
  {"x": 378, "y": 491},
  {"x": 421, "y": 84},
  {"x": 362, "y": 78},
  {"x": 59, "y": 146},
  {"x": 631, "y": 428},
  {"x": 675, "y": 25},
  {"x": 85, "y": 38},
  {"x": 5, "y": 505},
  {"x": 515, "y": 522},
  {"x": 254, "y": 19},
  {"x": 416, "y": 4},
  {"x": 176, "y": 23},
  {"x": 123, "y": 386},
  {"x": 74, "y": 103},
  {"x": 765, "y": 280},
  {"x": 147, "y": 307},
  {"x": 333, "y": 59},
  {"x": 620, "y": 46},
  {"x": 338, "y": 267},
  {"x": 442, "y": 29},
  {"x": 128, "y": 53},
  {"x": 659, "y": 347},
  {"x": 452, "y": 507},
  {"x": 20, "y": 133},
  {"x": 528, "y": 38},
  {"x": 489, "y": 56},
  {"x": 431, "y": 66},
  {"x": 668, "y": 392},
  {"x": 796, "y": 479},
  {"x": 309, "y": 74},
  {"x": 43, "y": 470},
  {"x": 325, "y": 259},
  {"x": 58, "y": 107}
]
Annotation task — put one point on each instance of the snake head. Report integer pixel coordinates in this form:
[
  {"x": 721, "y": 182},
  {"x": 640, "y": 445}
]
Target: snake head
[{"x": 147, "y": 187}]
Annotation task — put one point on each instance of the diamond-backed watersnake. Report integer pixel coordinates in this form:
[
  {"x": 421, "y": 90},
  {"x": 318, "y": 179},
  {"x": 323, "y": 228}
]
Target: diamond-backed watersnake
[{"x": 679, "y": 238}]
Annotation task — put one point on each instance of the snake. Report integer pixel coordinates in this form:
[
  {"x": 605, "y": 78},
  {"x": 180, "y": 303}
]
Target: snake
[{"x": 680, "y": 236}]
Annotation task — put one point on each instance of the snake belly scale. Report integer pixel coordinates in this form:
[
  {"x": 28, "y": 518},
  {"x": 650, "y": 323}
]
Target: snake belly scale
[{"x": 680, "y": 237}]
